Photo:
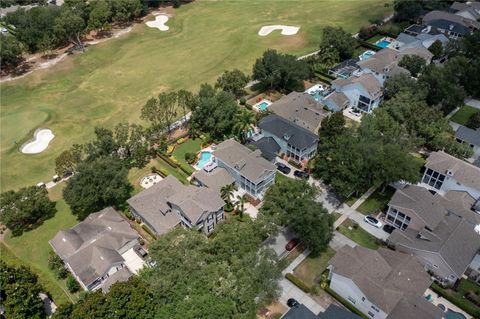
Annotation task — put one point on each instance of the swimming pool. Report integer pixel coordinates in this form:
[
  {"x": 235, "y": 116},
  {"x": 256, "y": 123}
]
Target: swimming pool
[
  {"x": 450, "y": 314},
  {"x": 382, "y": 43},
  {"x": 262, "y": 106},
  {"x": 365, "y": 55},
  {"x": 205, "y": 158}
]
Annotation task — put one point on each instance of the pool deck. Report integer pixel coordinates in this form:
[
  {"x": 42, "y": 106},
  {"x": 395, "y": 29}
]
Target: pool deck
[
  {"x": 436, "y": 300},
  {"x": 210, "y": 148}
]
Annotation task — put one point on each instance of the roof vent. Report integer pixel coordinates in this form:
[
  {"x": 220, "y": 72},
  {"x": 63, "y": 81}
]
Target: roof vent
[
  {"x": 286, "y": 136},
  {"x": 449, "y": 172}
]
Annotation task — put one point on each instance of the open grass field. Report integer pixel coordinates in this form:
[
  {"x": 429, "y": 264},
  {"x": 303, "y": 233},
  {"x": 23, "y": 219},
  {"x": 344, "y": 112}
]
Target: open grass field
[{"x": 112, "y": 80}]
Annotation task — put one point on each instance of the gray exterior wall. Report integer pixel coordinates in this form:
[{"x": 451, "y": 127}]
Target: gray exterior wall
[
  {"x": 307, "y": 153},
  {"x": 353, "y": 93}
]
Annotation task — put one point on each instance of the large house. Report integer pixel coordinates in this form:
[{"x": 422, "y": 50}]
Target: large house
[
  {"x": 99, "y": 251},
  {"x": 453, "y": 25},
  {"x": 169, "y": 203},
  {"x": 438, "y": 230},
  {"x": 336, "y": 101},
  {"x": 298, "y": 144},
  {"x": 301, "y": 109},
  {"x": 252, "y": 173},
  {"x": 419, "y": 41},
  {"x": 444, "y": 172},
  {"x": 470, "y": 10},
  {"x": 469, "y": 137},
  {"x": 382, "y": 283},
  {"x": 364, "y": 92}
]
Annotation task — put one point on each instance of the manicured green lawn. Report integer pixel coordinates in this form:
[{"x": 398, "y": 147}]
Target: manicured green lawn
[
  {"x": 279, "y": 178},
  {"x": 112, "y": 80},
  {"x": 358, "y": 235},
  {"x": 376, "y": 201},
  {"x": 464, "y": 114},
  {"x": 190, "y": 146},
  {"x": 351, "y": 200},
  {"x": 457, "y": 297},
  {"x": 32, "y": 248},
  {"x": 375, "y": 38},
  {"x": 312, "y": 267}
]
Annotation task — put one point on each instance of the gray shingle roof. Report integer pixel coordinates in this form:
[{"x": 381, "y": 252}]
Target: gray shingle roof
[
  {"x": 463, "y": 172},
  {"x": 215, "y": 179},
  {"x": 389, "y": 279},
  {"x": 301, "y": 109},
  {"x": 367, "y": 81},
  {"x": 91, "y": 247},
  {"x": 290, "y": 132},
  {"x": 268, "y": 146},
  {"x": 468, "y": 135},
  {"x": 299, "y": 312},
  {"x": 239, "y": 157},
  {"x": 335, "y": 312}
]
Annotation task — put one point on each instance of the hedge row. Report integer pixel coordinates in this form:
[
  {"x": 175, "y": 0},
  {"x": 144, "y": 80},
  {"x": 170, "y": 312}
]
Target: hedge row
[
  {"x": 168, "y": 160},
  {"x": 323, "y": 78},
  {"x": 461, "y": 302},
  {"x": 370, "y": 46},
  {"x": 347, "y": 305},
  {"x": 298, "y": 282}
]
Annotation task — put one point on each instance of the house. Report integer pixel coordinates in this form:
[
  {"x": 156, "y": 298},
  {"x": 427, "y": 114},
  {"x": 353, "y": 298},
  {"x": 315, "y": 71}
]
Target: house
[
  {"x": 252, "y": 173},
  {"x": 384, "y": 64},
  {"x": 469, "y": 10},
  {"x": 382, "y": 283},
  {"x": 268, "y": 146},
  {"x": 420, "y": 41},
  {"x": 364, "y": 92},
  {"x": 438, "y": 230},
  {"x": 298, "y": 144},
  {"x": 212, "y": 177},
  {"x": 169, "y": 203},
  {"x": 332, "y": 312},
  {"x": 99, "y": 251},
  {"x": 470, "y": 137},
  {"x": 336, "y": 101},
  {"x": 452, "y": 25},
  {"x": 301, "y": 109},
  {"x": 444, "y": 172},
  {"x": 473, "y": 271}
]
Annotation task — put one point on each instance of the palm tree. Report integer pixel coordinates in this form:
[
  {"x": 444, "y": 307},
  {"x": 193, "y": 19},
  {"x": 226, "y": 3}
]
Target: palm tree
[
  {"x": 227, "y": 192},
  {"x": 241, "y": 204},
  {"x": 242, "y": 126}
]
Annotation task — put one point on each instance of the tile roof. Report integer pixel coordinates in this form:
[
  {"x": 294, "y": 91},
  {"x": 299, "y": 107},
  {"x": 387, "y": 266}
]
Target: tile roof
[
  {"x": 239, "y": 157},
  {"x": 91, "y": 247},
  {"x": 468, "y": 135},
  {"x": 463, "y": 172},
  {"x": 287, "y": 131},
  {"x": 301, "y": 109}
]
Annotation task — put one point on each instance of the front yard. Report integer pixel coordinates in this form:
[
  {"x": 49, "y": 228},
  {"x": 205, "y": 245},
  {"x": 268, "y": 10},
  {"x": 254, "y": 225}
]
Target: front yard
[
  {"x": 464, "y": 114},
  {"x": 377, "y": 201},
  {"x": 312, "y": 267},
  {"x": 459, "y": 297},
  {"x": 353, "y": 231}
]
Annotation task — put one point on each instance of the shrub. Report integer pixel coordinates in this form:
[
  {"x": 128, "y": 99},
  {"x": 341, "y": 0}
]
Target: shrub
[
  {"x": 128, "y": 215},
  {"x": 228, "y": 207},
  {"x": 248, "y": 106},
  {"x": 141, "y": 242},
  {"x": 145, "y": 228},
  {"x": 243, "y": 101},
  {"x": 294, "y": 164},
  {"x": 170, "y": 149},
  {"x": 367, "y": 32},
  {"x": 72, "y": 284},
  {"x": 298, "y": 282},
  {"x": 181, "y": 140},
  {"x": 190, "y": 157}
]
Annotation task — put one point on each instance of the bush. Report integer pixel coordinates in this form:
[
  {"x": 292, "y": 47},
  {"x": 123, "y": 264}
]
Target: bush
[
  {"x": 170, "y": 149},
  {"x": 367, "y": 32},
  {"x": 298, "y": 282},
  {"x": 128, "y": 215},
  {"x": 344, "y": 302},
  {"x": 294, "y": 164},
  {"x": 72, "y": 284},
  {"x": 141, "y": 242},
  {"x": 243, "y": 101},
  {"x": 145, "y": 228},
  {"x": 190, "y": 157},
  {"x": 248, "y": 106},
  {"x": 181, "y": 140},
  {"x": 228, "y": 208}
]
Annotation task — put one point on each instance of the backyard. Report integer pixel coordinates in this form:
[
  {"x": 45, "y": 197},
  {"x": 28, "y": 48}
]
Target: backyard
[
  {"x": 458, "y": 297},
  {"x": 111, "y": 81},
  {"x": 353, "y": 231},
  {"x": 464, "y": 114},
  {"x": 189, "y": 146}
]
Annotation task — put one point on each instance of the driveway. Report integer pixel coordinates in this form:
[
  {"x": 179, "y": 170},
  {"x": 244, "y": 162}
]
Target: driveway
[
  {"x": 289, "y": 290},
  {"x": 278, "y": 243}
]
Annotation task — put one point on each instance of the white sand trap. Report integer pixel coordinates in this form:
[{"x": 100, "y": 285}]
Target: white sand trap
[
  {"x": 286, "y": 30},
  {"x": 40, "y": 141},
  {"x": 159, "y": 22}
]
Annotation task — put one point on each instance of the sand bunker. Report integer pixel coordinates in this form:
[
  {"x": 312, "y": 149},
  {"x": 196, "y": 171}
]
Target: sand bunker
[
  {"x": 286, "y": 30},
  {"x": 159, "y": 22},
  {"x": 40, "y": 141}
]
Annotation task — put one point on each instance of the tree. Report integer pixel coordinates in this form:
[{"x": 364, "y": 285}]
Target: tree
[
  {"x": 474, "y": 121},
  {"x": 233, "y": 82},
  {"x": 69, "y": 25},
  {"x": 407, "y": 10},
  {"x": 10, "y": 51},
  {"x": 332, "y": 126},
  {"x": 97, "y": 184},
  {"x": 413, "y": 63},
  {"x": 338, "y": 40},
  {"x": 226, "y": 192},
  {"x": 184, "y": 100},
  {"x": 72, "y": 284},
  {"x": 20, "y": 289},
  {"x": 276, "y": 71},
  {"x": 245, "y": 118},
  {"x": 25, "y": 209},
  {"x": 436, "y": 48},
  {"x": 126, "y": 10},
  {"x": 241, "y": 205},
  {"x": 100, "y": 15},
  {"x": 404, "y": 83},
  {"x": 56, "y": 264},
  {"x": 67, "y": 161}
]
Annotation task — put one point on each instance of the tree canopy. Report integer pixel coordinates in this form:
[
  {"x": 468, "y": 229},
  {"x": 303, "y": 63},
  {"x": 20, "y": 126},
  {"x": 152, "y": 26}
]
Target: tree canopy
[
  {"x": 337, "y": 40},
  {"x": 10, "y": 51},
  {"x": 233, "y": 82},
  {"x": 413, "y": 63},
  {"x": 26, "y": 208}
]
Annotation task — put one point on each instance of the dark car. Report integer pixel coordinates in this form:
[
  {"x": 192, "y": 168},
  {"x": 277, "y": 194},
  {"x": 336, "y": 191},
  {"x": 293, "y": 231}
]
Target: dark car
[
  {"x": 388, "y": 228},
  {"x": 292, "y": 303},
  {"x": 291, "y": 244},
  {"x": 301, "y": 174},
  {"x": 283, "y": 168}
]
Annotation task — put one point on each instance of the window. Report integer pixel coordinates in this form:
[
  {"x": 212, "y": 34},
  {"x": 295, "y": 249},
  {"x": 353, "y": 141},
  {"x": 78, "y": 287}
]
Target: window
[
  {"x": 433, "y": 178},
  {"x": 375, "y": 308},
  {"x": 371, "y": 314},
  {"x": 363, "y": 298},
  {"x": 352, "y": 300},
  {"x": 210, "y": 228}
]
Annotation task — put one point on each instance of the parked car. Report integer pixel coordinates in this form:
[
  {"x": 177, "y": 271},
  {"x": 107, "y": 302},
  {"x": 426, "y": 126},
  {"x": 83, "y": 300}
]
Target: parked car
[
  {"x": 283, "y": 168},
  {"x": 388, "y": 228},
  {"x": 291, "y": 244},
  {"x": 292, "y": 303},
  {"x": 301, "y": 174},
  {"x": 372, "y": 221}
]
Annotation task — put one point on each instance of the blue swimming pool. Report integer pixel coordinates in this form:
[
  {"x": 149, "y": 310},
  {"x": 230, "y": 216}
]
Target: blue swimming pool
[
  {"x": 262, "y": 106},
  {"x": 365, "y": 55},
  {"x": 317, "y": 96},
  {"x": 450, "y": 314},
  {"x": 205, "y": 158},
  {"x": 383, "y": 43}
]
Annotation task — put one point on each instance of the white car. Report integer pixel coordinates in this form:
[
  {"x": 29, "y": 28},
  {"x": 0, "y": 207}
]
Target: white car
[{"x": 372, "y": 221}]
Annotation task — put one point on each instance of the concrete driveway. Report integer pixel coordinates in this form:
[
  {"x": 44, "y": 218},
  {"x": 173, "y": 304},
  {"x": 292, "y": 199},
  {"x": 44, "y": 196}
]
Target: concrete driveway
[
  {"x": 289, "y": 290},
  {"x": 278, "y": 243}
]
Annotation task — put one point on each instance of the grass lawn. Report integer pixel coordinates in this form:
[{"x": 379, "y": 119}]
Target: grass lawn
[
  {"x": 312, "y": 267},
  {"x": 358, "y": 234},
  {"x": 375, "y": 38},
  {"x": 376, "y": 201},
  {"x": 464, "y": 114},
  {"x": 279, "y": 178},
  {"x": 190, "y": 146},
  {"x": 336, "y": 215},
  {"x": 457, "y": 297},
  {"x": 111, "y": 81},
  {"x": 32, "y": 248},
  {"x": 351, "y": 200}
]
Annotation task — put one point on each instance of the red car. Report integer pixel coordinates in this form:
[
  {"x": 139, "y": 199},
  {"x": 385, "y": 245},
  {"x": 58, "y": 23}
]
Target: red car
[{"x": 291, "y": 244}]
